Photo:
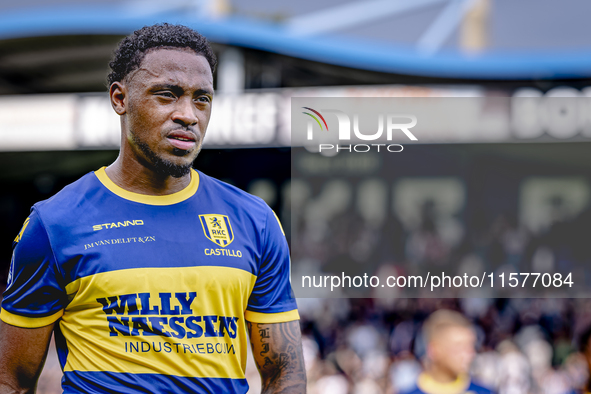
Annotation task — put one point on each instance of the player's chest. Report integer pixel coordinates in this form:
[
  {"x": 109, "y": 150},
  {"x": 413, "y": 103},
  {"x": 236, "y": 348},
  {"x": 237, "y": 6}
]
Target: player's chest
[{"x": 130, "y": 240}]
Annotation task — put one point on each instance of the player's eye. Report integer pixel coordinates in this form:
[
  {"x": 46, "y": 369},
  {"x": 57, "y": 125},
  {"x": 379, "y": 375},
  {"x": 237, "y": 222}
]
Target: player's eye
[
  {"x": 203, "y": 99},
  {"x": 166, "y": 94}
]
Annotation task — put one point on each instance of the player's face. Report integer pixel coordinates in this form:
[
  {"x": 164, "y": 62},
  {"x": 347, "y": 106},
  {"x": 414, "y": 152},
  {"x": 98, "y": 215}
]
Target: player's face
[
  {"x": 168, "y": 108},
  {"x": 453, "y": 349}
]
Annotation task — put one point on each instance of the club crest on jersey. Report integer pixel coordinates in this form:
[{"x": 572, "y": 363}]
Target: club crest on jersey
[{"x": 217, "y": 229}]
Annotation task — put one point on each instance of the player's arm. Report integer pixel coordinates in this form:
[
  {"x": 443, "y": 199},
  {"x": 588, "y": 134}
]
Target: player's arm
[
  {"x": 22, "y": 354},
  {"x": 273, "y": 319},
  {"x": 33, "y": 302},
  {"x": 277, "y": 350}
]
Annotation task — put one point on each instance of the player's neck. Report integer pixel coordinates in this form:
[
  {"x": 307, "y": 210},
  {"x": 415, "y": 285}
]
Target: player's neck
[
  {"x": 137, "y": 178},
  {"x": 441, "y": 374}
]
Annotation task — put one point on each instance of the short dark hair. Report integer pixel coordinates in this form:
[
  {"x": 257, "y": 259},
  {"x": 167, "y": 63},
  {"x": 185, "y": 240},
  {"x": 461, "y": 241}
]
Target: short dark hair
[
  {"x": 442, "y": 319},
  {"x": 133, "y": 48}
]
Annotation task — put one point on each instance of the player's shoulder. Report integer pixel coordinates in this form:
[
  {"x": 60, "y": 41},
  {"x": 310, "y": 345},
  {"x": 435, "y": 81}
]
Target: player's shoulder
[
  {"x": 232, "y": 195},
  {"x": 61, "y": 211},
  {"x": 414, "y": 390},
  {"x": 478, "y": 389},
  {"x": 426, "y": 385},
  {"x": 71, "y": 198},
  {"x": 472, "y": 389}
]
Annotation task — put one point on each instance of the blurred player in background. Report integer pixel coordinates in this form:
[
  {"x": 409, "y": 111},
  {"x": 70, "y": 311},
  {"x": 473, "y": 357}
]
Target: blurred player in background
[
  {"x": 450, "y": 341},
  {"x": 150, "y": 273},
  {"x": 585, "y": 347}
]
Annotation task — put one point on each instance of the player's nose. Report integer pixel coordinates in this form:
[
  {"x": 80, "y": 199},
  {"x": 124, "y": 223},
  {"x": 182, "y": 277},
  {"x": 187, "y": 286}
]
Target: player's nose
[{"x": 185, "y": 113}]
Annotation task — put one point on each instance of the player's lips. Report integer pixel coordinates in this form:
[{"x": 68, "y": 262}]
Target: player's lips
[{"x": 184, "y": 140}]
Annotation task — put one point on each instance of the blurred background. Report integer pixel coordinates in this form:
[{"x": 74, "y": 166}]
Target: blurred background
[{"x": 513, "y": 200}]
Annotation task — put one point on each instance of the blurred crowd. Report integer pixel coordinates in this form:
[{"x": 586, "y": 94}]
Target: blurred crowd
[{"x": 371, "y": 346}]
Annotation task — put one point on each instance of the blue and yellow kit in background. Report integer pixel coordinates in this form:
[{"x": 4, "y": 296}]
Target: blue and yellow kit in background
[
  {"x": 462, "y": 385},
  {"x": 150, "y": 293}
]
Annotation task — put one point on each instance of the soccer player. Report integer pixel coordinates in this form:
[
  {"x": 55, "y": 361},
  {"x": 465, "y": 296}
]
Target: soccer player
[
  {"x": 148, "y": 272},
  {"x": 450, "y": 341},
  {"x": 585, "y": 348}
]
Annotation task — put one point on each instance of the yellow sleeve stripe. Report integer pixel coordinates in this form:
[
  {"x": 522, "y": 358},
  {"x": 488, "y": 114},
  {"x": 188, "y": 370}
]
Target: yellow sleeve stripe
[
  {"x": 278, "y": 221},
  {"x": 281, "y": 317},
  {"x": 20, "y": 234},
  {"x": 28, "y": 322}
]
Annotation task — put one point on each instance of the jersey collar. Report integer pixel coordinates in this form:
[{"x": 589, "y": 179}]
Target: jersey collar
[
  {"x": 168, "y": 199},
  {"x": 428, "y": 385}
]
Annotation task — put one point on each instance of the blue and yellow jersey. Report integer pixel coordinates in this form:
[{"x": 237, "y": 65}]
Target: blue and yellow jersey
[
  {"x": 151, "y": 293},
  {"x": 463, "y": 385}
]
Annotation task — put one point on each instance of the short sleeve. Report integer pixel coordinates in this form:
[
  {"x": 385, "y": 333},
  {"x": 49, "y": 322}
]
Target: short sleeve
[
  {"x": 35, "y": 295},
  {"x": 272, "y": 299}
]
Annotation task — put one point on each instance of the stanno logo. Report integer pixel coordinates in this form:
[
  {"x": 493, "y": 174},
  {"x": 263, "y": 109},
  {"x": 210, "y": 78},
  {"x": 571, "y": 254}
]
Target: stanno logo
[
  {"x": 217, "y": 229},
  {"x": 391, "y": 123},
  {"x": 125, "y": 223}
]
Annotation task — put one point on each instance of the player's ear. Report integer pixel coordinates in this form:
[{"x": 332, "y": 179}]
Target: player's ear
[
  {"x": 431, "y": 351},
  {"x": 118, "y": 93}
]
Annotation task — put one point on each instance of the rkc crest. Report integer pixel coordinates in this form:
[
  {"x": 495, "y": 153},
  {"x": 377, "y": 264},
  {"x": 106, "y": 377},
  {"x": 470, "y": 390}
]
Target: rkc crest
[{"x": 217, "y": 228}]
